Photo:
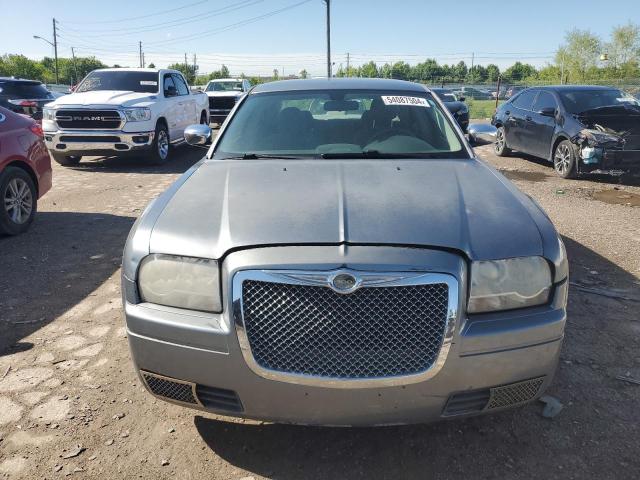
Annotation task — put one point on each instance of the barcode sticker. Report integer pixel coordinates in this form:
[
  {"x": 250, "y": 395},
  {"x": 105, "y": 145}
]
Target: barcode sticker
[{"x": 402, "y": 100}]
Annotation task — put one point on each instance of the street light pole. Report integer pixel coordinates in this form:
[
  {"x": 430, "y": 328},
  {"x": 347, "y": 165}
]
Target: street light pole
[
  {"x": 328, "y": 2},
  {"x": 55, "y": 49}
]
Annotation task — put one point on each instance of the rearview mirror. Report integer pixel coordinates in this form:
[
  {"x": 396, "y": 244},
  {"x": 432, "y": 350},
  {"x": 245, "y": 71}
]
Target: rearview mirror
[
  {"x": 197, "y": 134},
  {"x": 547, "y": 112}
]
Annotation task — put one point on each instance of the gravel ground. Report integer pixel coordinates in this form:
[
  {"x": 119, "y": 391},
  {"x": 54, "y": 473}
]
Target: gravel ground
[{"x": 71, "y": 405}]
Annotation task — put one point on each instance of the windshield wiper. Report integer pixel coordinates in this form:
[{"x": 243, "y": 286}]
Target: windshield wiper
[
  {"x": 257, "y": 156},
  {"x": 371, "y": 154}
]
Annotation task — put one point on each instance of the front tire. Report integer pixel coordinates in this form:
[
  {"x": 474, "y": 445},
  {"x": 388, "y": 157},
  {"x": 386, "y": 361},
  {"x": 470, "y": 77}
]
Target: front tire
[
  {"x": 500, "y": 146},
  {"x": 159, "y": 153},
  {"x": 564, "y": 160},
  {"x": 19, "y": 201},
  {"x": 66, "y": 160}
]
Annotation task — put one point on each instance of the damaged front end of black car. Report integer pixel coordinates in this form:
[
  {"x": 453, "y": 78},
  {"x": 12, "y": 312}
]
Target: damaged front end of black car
[{"x": 610, "y": 141}]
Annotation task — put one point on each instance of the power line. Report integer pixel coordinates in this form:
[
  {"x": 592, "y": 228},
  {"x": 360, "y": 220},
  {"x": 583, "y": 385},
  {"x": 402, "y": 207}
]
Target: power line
[{"x": 142, "y": 16}]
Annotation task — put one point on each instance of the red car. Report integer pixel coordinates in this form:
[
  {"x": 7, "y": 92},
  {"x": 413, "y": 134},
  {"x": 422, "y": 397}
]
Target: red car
[{"x": 25, "y": 171}]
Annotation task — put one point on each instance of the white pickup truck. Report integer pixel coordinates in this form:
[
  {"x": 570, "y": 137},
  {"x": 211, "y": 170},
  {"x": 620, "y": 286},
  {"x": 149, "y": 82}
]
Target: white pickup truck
[
  {"x": 223, "y": 95},
  {"x": 116, "y": 111}
]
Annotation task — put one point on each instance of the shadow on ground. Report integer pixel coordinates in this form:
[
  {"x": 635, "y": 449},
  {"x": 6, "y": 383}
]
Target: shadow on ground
[
  {"x": 55, "y": 265},
  {"x": 182, "y": 159},
  {"x": 601, "y": 342}
]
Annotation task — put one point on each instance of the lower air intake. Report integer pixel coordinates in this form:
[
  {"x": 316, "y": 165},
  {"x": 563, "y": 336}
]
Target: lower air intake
[
  {"x": 493, "y": 398},
  {"x": 172, "y": 389}
]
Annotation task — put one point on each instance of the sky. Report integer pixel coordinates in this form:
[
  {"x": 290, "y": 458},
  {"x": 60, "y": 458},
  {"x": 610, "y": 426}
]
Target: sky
[{"x": 256, "y": 36}]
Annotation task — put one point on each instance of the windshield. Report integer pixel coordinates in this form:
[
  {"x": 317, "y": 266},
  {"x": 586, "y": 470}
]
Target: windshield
[
  {"x": 578, "y": 101},
  {"x": 225, "y": 86},
  {"x": 445, "y": 95},
  {"x": 340, "y": 124},
  {"x": 126, "y": 81}
]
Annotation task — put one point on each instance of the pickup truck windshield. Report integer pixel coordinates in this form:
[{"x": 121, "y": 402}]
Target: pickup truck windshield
[
  {"x": 225, "y": 86},
  {"x": 126, "y": 81},
  {"x": 578, "y": 101},
  {"x": 340, "y": 124}
]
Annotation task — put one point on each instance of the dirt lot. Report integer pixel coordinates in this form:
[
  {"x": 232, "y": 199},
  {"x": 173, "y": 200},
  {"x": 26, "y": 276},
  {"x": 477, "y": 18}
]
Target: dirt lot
[{"x": 67, "y": 388}]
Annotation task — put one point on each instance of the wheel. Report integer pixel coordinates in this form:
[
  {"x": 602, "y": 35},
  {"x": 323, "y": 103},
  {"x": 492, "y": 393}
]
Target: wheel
[
  {"x": 159, "y": 153},
  {"x": 500, "y": 146},
  {"x": 564, "y": 160},
  {"x": 66, "y": 160},
  {"x": 203, "y": 119},
  {"x": 19, "y": 201}
]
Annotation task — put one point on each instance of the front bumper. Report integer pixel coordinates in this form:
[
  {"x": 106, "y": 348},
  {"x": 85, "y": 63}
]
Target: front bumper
[
  {"x": 217, "y": 115},
  {"x": 488, "y": 350},
  {"x": 97, "y": 142}
]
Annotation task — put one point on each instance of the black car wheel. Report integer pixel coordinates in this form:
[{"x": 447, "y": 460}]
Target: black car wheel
[
  {"x": 66, "y": 160},
  {"x": 564, "y": 160},
  {"x": 19, "y": 201},
  {"x": 501, "y": 143}
]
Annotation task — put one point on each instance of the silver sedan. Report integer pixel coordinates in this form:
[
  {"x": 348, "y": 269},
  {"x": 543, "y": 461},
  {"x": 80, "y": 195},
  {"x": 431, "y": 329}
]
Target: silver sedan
[{"x": 348, "y": 264}]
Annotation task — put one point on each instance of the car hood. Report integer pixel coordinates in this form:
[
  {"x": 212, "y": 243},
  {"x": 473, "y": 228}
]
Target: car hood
[
  {"x": 106, "y": 97},
  {"x": 454, "y": 204}
]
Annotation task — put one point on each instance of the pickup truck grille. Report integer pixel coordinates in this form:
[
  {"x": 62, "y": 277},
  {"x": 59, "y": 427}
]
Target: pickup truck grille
[
  {"x": 93, "y": 119},
  {"x": 222, "y": 103}
]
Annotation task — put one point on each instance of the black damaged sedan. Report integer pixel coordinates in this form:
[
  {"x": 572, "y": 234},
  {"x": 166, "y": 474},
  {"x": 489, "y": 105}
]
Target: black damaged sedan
[
  {"x": 455, "y": 105},
  {"x": 580, "y": 129}
]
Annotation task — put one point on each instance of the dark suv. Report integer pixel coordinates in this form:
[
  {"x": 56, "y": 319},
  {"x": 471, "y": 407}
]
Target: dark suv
[
  {"x": 579, "y": 128},
  {"x": 24, "y": 96}
]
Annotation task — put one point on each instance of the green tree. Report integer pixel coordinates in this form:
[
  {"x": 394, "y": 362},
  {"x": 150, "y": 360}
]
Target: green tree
[
  {"x": 519, "y": 71},
  {"x": 493, "y": 72},
  {"x": 152, "y": 65},
  {"x": 580, "y": 52},
  {"x": 22, "y": 67},
  {"x": 624, "y": 46},
  {"x": 189, "y": 71},
  {"x": 303, "y": 73},
  {"x": 369, "y": 70}
]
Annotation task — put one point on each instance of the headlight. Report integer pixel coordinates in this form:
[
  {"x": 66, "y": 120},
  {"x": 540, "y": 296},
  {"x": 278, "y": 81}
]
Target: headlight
[
  {"x": 48, "y": 114},
  {"x": 510, "y": 283},
  {"x": 183, "y": 282},
  {"x": 137, "y": 114}
]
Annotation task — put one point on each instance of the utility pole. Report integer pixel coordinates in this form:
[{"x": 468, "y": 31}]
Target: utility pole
[
  {"x": 186, "y": 65},
  {"x": 144, "y": 62},
  {"x": 348, "y": 74},
  {"x": 195, "y": 67},
  {"x": 473, "y": 57},
  {"x": 328, "y": 2},
  {"x": 75, "y": 69},
  {"x": 55, "y": 49},
  {"x": 140, "y": 52}
]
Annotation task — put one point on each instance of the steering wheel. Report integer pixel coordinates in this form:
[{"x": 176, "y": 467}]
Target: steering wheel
[{"x": 390, "y": 132}]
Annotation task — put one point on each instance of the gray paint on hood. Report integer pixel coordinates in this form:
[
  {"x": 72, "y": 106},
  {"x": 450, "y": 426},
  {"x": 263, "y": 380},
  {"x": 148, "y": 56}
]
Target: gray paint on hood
[{"x": 455, "y": 204}]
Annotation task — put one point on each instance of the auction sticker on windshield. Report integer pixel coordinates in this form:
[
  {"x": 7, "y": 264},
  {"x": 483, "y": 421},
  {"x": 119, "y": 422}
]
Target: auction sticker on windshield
[
  {"x": 153, "y": 83},
  {"x": 402, "y": 100}
]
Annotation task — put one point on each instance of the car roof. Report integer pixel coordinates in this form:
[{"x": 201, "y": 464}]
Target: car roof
[
  {"x": 573, "y": 88},
  {"x": 225, "y": 80},
  {"x": 340, "y": 84},
  {"x": 18, "y": 80}
]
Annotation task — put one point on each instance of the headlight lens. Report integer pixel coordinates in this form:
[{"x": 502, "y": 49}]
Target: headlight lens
[
  {"x": 137, "y": 114},
  {"x": 510, "y": 283},
  {"x": 48, "y": 114},
  {"x": 183, "y": 282}
]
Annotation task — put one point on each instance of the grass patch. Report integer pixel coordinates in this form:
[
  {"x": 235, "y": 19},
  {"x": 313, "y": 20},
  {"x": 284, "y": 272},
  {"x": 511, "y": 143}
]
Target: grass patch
[{"x": 481, "y": 108}]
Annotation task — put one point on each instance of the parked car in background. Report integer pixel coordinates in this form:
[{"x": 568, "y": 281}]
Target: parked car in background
[
  {"x": 474, "y": 93},
  {"x": 458, "y": 109},
  {"x": 579, "y": 128},
  {"x": 24, "y": 96},
  {"x": 513, "y": 91},
  {"x": 223, "y": 95},
  {"x": 320, "y": 268},
  {"x": 25, "y": 171},
  {"x": 119, "y": 111}
]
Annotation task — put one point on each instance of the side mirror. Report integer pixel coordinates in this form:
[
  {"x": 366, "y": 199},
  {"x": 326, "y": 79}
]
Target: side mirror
[
  {"x": 547, "y": 112},
  {"x": 170, "y": 91},
  {"x": 197, "y": 134},
  {"x": 461, "y": 99}
]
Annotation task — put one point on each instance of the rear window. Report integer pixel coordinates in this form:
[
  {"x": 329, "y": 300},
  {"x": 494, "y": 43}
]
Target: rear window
[
  {"x": 126, "y": 81},
  {"x": 27, "y": 90}
]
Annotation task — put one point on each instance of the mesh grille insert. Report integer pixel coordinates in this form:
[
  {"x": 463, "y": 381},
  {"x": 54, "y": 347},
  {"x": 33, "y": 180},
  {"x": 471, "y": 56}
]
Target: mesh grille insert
[
  {"x": 181, "y": 392},
  {"x": 370, "y": 333},
  {"x": 515, "y": 393}
]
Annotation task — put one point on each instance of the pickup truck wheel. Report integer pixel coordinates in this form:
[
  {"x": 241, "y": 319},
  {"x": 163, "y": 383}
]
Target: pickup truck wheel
[
  {"x": 159, "y": 153},
  {"x": 66, "y": 160},
  {"x": 500, "y": 146},
  {"x": 19, "y": 201},
  {"x": 564, "y": 160}
]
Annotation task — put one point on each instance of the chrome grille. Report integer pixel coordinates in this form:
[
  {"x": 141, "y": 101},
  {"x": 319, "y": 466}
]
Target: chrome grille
[
  {"x": 222, "y": 103},
  {"x": 374, "y": 332},
  {"x": 90, "y": 119}
]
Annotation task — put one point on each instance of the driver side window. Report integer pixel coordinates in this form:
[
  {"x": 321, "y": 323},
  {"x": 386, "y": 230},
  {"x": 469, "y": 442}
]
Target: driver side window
[{"x": 169, "y": 86}]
